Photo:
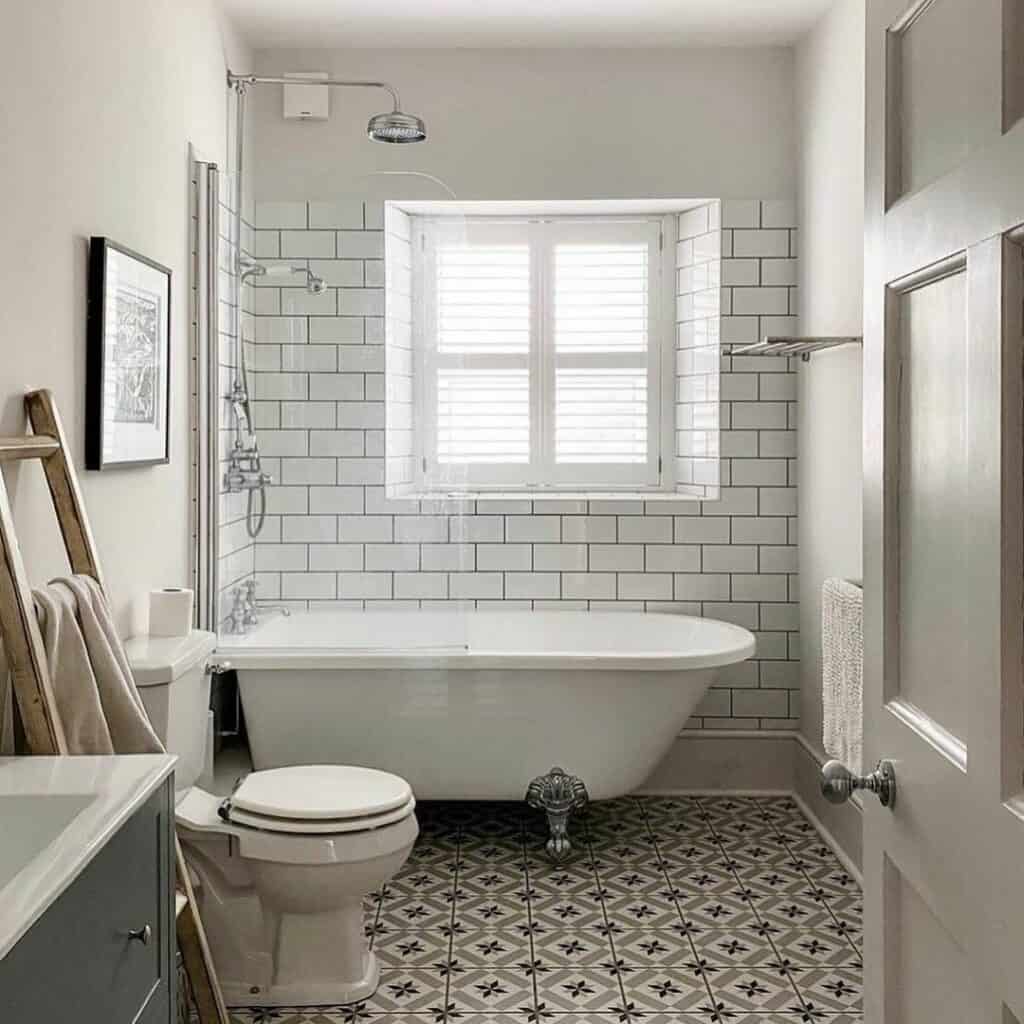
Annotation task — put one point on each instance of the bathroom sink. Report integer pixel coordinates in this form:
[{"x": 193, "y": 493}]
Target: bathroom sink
[
  {"x": 32, "y": 822},
  {"x": 56, "y": 813}
]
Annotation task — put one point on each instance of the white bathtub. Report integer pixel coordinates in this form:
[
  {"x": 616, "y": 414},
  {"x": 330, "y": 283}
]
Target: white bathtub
[{"x": 473, "y": 705}]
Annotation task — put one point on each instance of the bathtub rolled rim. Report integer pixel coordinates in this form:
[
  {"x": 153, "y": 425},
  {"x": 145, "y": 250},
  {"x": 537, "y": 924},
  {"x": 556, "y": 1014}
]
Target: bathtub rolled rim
[{"x": 253, "y": 652}]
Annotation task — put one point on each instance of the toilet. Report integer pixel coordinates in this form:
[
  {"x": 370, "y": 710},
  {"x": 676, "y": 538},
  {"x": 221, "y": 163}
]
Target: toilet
[{"x": 284, "y": 863}]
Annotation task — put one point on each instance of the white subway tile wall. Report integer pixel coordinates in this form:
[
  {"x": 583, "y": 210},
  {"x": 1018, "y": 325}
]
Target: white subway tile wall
[
  {"x": 334, "y": 538},
  {"x": 699, "y": 307}
]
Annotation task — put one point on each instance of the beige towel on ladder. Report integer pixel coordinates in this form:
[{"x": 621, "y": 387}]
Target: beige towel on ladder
[
  {"x": 842, "y": 672},
  {"x": 97, "y": 702}
]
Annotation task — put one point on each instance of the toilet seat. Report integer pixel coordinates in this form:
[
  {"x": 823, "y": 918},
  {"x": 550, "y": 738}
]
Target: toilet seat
[
  {"x": 321, "y": 791},
  {"x": 319, "y": 799},
  {"x": 316, "y": 826}
]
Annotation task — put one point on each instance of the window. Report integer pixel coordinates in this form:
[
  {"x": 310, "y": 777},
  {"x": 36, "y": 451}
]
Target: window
[{"x": 539, "y": 345}]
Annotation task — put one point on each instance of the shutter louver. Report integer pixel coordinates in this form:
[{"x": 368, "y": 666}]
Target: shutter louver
[
  {"x": 483, "y": 416},
  {"x": 602, "y": 301},
  {"x": 601, "y": 298},
  {"x": 601, "y": 415},
  {"x": 483, "y": 299}
]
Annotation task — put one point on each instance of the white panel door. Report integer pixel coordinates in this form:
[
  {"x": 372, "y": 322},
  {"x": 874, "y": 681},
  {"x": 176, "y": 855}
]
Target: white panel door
[{"x": 944, "y": 615}]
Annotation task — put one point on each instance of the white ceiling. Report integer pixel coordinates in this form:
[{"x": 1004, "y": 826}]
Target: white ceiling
[{"x": 551, "y": 24}]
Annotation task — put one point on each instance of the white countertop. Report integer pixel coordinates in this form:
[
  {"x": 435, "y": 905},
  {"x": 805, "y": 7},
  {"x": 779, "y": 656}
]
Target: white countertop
[{"x": 56, "y": 814}]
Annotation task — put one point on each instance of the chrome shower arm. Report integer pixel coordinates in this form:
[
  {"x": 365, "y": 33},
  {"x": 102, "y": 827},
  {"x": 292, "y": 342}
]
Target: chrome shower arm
[{"x": 343, "y": 83}]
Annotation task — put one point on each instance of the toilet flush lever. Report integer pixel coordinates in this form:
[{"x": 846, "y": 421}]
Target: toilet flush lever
[{"x": 838, "y": 783}]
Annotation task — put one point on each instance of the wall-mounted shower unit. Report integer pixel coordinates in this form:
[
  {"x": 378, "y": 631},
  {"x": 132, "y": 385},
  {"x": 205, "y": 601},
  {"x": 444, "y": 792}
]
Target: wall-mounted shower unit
[{"x": 245, "y": 471}]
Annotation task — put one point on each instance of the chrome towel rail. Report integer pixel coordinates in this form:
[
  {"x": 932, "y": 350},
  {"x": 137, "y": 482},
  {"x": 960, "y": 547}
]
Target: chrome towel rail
[{"x": 775, "y": 345}]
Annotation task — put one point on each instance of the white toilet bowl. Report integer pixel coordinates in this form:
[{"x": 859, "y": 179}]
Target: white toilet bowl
[
  {"x": 284, "y": 864},
  {"x": 282, "y": 895}
]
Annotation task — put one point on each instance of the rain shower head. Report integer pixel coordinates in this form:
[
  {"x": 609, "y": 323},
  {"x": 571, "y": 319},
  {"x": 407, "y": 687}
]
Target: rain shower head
[{"x": 396, "y": 127}]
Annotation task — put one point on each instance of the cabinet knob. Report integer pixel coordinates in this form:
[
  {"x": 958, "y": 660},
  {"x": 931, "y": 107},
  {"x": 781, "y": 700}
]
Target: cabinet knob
[{"x": 143, "y": 934}]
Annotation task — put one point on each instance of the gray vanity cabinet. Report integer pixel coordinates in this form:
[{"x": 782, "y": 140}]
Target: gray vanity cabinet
[{"x": 104, "y": 952}]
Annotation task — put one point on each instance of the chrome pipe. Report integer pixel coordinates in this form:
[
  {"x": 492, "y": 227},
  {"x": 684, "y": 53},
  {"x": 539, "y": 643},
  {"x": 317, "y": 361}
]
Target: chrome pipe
[
  {"x": 211, "y": 580},
  {"x": 239, "y": 82},
  {"x": 206, "y": 391}
]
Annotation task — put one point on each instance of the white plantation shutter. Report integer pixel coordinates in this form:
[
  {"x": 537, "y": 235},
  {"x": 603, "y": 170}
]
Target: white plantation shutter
[
  {"x": 603, "y": 291},
  {"x": 538, "y": 353},
  {"x": 483, "y": 416},
  {"x": 601, "y": 415},
  {"x": 483, "y": 297}
]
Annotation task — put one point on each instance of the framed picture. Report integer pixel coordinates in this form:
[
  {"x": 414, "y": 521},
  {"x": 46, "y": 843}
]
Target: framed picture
[{"x": 128, "y": 359}]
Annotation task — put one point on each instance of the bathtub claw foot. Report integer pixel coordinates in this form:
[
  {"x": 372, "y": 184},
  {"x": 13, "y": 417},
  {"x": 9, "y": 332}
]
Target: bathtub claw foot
[{"x": 557, "y": 794}]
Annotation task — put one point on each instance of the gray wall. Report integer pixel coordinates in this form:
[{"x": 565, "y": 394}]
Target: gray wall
[
  {"x": 520, "y": 124},
  {"x": 100, "y": 105},
  {"x": 830, "y": 101}
]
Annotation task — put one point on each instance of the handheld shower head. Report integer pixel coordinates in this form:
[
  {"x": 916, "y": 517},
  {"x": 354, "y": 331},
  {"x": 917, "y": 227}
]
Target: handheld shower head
[
  {"x": 250, "y": 268},
  {"x": 396, "y": 127}
]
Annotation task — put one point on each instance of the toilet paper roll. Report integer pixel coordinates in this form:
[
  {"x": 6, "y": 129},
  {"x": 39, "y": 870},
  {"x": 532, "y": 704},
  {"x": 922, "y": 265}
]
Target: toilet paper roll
[{"x": 170, "y": 612}]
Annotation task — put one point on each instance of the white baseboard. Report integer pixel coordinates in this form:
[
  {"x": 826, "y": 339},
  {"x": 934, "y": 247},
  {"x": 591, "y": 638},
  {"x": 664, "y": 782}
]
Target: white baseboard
[
  {"x": 767, "y": 763},
  {"x": 829, "y": 840}
]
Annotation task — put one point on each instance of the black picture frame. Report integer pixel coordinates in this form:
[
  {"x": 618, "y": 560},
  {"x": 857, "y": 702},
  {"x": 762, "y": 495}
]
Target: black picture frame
[{"x": 128, "y": 359}]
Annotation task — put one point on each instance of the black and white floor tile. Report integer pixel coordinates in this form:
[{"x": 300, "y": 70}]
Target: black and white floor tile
[{"x": 680, "y": 910}]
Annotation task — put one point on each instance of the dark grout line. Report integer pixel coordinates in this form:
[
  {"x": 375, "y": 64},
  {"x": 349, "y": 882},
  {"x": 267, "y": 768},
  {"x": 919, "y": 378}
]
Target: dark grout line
[
  {"x": 609, "y": 934},
  {"x": 799, "y": 865},
  {"x": 750, "y": 903},
  {"x": 682, "y": 918}
]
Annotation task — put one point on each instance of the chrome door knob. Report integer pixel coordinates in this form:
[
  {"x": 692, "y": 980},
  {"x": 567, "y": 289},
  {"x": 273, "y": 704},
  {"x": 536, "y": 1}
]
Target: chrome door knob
[
  {"x": 838, "y": 783},
  {"x": 143, "y": 934}
]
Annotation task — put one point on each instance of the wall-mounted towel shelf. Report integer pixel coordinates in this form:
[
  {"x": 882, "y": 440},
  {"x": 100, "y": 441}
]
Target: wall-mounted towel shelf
[{"x": 774, "y": 345}]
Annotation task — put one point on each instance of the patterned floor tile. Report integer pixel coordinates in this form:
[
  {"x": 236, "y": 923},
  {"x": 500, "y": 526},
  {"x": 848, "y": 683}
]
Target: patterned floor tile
[
  {"x": 415, "y": 914},
  {"x": 427, "y": 880},
  {"x": 571, "y": 911},
  {"x": 814, "y": 948},
  {"x": 412, "y": 949},
  {"x": 506, "y": 947},
  {"x": 503, "y": 910},
  {"x": 796, "y": 911},
  {"x": 831, "y": 989},
  {"x": 724, "y": 1015},
  {"x": 561, "y": 948},
  {"x": 403, "y": 991},
  {"x": 642, "y": 910},
  {"x": 581, "y": 990},
  {"x": 700, "y": 879},
  {"x": 576, "y": 876},
  {"x": 627, "y": 878},
  {"x": 664, "y": 990},
  {"x": 496, "y": 880},
  {"x": 670, "y": 910},
  {"x": 688, "y": 854},
  {"x": 717, "y": 911},
  {"x": 651, "y": 949},
  {"x": 734, "y": 948},
  {"x": 754, "y": 989},
  {"x": 495, "y": 991}
]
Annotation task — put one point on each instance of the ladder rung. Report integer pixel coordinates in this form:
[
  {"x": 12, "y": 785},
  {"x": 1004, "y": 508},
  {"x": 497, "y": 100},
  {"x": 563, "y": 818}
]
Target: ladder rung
[{"x": 33, "y": 446}]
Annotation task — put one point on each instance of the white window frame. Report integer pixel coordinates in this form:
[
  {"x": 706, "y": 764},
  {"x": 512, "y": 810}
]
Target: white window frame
[{"x": 541, "y": 474}]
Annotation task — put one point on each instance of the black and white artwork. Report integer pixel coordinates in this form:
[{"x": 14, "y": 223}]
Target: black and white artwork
[{"x": 128, "y": 363}]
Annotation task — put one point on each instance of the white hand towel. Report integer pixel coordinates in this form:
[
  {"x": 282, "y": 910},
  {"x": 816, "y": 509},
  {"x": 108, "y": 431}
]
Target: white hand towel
[{"x": 842, "y": 672}]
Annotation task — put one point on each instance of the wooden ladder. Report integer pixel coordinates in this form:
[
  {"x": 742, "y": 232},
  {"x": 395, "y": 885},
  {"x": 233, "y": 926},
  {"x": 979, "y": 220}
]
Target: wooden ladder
[{"x": 26, "y": 658}]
